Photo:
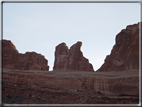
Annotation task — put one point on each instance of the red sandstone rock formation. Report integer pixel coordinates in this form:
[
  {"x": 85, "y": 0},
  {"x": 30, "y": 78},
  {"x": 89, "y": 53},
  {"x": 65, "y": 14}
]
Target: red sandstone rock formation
[
  {"x": 108, "y": 83},
  {"x": 9, "y": 54},
  {"x": 15, "y": 60},
  {"x": 71, "y": 59},
  {"x": 125, "y": 52},
  {"x": 31, "y": 61},
  {"x": 61, "y": 57}
]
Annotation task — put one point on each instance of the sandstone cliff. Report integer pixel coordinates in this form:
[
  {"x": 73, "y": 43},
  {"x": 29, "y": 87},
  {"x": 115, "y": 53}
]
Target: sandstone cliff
[
  {"x": 9, "y": 54},
  {"x": 125, "y": 52},
  {"x": 71, "y": 59},
  {"x": 116, "y": 83},
  {"x": 14, "y": 60}
]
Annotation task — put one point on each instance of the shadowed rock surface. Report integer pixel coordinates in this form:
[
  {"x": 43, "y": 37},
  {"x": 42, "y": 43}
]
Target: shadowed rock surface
[
  {"x": 125, "y": 52},
  {"x": 40, "y": 87},
  {"x": 15, "y": 60},
  {"x": 71, "y": 59}
]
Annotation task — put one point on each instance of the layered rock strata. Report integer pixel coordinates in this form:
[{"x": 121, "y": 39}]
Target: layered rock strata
[
  {"x": 125, "y": 52},
  {"x": 71, "y": 59},
  {"x": 108, "y": 83},
  {"x": 9, "y": 54},
  {"x": 14, "y": 60}
]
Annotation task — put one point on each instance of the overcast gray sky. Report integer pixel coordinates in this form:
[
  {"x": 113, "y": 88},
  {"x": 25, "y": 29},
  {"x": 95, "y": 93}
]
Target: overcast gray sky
[{"x": 40, "y": 27}]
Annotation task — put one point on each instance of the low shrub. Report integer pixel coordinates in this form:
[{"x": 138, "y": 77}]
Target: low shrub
[
  {"x": 30, "y": 95},
  {"x": 99, "y": 92},
  {"x": 79, "y": 90},
  {"x": 8, "y": 96}
]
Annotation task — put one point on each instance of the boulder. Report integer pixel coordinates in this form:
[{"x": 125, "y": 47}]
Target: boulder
[
  {"x": 125, "y": 52},
  {"x": 71, "y": 59},
  {"x": 14, "y": 60}
]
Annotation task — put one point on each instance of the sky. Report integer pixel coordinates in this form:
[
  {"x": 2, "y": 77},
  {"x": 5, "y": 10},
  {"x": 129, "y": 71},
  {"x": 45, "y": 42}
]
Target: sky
[{"x": 40, "y": 27}]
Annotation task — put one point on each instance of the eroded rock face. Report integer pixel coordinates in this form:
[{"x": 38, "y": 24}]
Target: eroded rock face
[
  {"x": 61, "y": 57},
  {"x": 125, "y": 52},
  {"x": 9, "y": 54},
  {"x": 71, "y": 59},
  {"x": 31, "y": 61},
  {"x": 15, "y": 60},
  {"x": 110, "y": 84}
]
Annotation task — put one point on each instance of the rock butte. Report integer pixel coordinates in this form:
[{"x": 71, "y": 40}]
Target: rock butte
[
  {"x": 14, "y": 60},
  {"x": 125, "y": 52},
  {"x": 71, "y": 59}
]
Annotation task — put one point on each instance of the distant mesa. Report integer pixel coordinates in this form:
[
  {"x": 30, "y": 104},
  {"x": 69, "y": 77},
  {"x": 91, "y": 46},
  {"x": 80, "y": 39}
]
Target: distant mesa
[
  {"x": 125, "y": 52},
  {"x": 14, "y": 60},
  {"x": 71, "y": 59}
]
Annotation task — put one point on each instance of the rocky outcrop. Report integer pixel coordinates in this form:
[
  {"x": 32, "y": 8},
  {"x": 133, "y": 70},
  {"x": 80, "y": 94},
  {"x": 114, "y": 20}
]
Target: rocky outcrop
[
  {"x": 14, "y": 60},
  {"x": 110, "y": 84},
  {"x": 61, "y": 57},
  {"x": 31, "y": 61},
  {"x": 71, "y": 59},
  {"x": 125, "y": 52},
  {"x": 9, "y": 54}
]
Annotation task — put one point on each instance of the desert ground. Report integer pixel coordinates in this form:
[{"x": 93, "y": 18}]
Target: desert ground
[{"x": 70, "y": 87}]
